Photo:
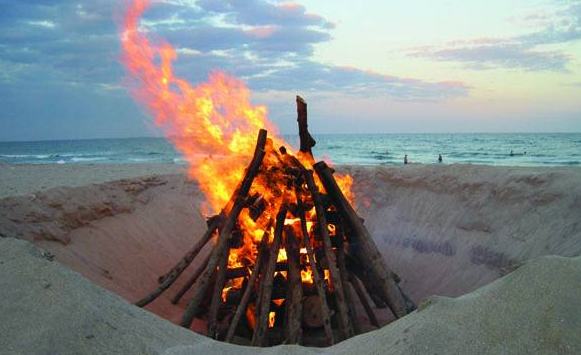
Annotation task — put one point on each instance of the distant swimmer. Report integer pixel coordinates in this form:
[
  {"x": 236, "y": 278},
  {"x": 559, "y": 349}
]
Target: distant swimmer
[
  {"x": 405, "y": 159},
  {"x": 439, "y": 158},
  {"x": 511, "y": 153}
]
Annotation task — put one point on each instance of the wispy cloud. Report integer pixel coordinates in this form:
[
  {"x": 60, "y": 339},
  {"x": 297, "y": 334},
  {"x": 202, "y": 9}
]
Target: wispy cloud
[
  {"x": 519, "y": 52},
  {"x": 269, "y": 44}
]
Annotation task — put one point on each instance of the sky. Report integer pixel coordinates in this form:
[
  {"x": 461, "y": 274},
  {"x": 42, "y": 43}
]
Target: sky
[{"x": 374, "y": 66}]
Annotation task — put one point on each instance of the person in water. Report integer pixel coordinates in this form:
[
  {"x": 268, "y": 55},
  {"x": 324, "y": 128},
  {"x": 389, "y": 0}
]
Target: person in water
[
  {"x": 440, "y": 158},
  {"x": 405, "y": 159},
  {"x": 511, "y": 153}
]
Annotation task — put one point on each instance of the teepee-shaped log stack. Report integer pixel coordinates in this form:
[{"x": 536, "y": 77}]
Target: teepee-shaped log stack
[{"x": 308, "y": 297}]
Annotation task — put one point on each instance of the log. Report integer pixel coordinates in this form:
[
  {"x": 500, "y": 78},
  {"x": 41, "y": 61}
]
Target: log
[
  {"x": 355, "y": 267},
  {"x": 213, "y": 224},
  {"x": 242, "y": 271},
  {"x": 229, "y": 225},
  {"x": 217, "y": 295},
  {"x": 294, "y": 295},
  {"x": 345, "y": 278},
  {"x": 191, "y": 280},
  {"x": 263, "y": 303},
  {"x": 241, "y": 309},
  {"x": 363, "y": 244},
  {"x": 312, "y": 312},
  {"x": 307, "y": 141},
  {"x": 363, "y": 299},
  {"x": 338, "y": 289},
  {"x": 318, "y": 280},
  {"x": 181, "y": 265}
]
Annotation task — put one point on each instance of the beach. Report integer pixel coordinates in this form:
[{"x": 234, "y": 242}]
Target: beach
[{"x": 446, "y": 230}]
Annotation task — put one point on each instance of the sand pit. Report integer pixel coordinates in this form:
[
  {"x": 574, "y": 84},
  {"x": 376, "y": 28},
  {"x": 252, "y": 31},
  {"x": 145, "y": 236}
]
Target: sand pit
[{"x": 445, "y": 230}]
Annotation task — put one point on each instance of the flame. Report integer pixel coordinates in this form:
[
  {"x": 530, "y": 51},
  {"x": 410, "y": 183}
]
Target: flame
[
  {"x": 271, "y": 318},
  {"x": 250, "y": 315},
  {"x": 214, "y": 126}
]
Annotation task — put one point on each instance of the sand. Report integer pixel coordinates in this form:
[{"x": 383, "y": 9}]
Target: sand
[
  {"x": 445, "y": 229},
  {"x": 24, "y": 179},
  {"x": 47, "y": 308}
]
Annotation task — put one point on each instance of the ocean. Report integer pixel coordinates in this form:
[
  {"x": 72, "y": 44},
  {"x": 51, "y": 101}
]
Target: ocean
[{"x": 530, "y": 149}]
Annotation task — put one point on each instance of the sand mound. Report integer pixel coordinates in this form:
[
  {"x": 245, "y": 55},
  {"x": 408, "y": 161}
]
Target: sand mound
[
  {"x": 121, "y": 235},
  {"x": 445, "y": 229},
  {"x": 49, "y": 309},
  {"x": 448, "y": 229}
]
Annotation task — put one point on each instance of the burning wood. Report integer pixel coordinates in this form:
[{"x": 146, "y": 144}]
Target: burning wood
[{"x": 288, "y": 259}]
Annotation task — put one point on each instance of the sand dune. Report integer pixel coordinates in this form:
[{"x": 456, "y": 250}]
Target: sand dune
[
  {"x": 49, "y": 309},
  {"x": 450, "y": 229},
  {"x": 445, "y": 230}
]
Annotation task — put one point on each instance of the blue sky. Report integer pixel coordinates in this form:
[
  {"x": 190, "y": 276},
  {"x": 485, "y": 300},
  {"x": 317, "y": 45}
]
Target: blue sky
[{"x": 373, "y": 66}]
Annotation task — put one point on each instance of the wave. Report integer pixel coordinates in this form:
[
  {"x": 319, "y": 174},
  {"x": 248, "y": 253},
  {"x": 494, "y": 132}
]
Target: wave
[
  {"x": 17, "y": 156},
  {"x": 79, "y": 159}
]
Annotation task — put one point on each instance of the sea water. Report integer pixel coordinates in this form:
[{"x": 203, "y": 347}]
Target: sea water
[{"x": 530, "y": 149}]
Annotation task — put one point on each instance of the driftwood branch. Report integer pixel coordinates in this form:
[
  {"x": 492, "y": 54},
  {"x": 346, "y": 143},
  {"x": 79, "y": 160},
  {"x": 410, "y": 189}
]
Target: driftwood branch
[
  {"x": 307, "y": 141},
  {"x": 181, "y": 266},
  {"x": 191, "y": 280},
  {"x": 363, "y": 299},
  {"x": 217, "y": 295},
  {"x": 229, "y": 225},
  {"x": 363, "y": 244},
  {"x": 263, "y": 304},
  {"x": 325, "y": 312},
  {"x": 241, "y": 309},
  {"x": 294, "y": 295},
  {"x": 344, "y": 278},
  {"x": 330, "y": 256},
  {"x": 213, "y": 223}
]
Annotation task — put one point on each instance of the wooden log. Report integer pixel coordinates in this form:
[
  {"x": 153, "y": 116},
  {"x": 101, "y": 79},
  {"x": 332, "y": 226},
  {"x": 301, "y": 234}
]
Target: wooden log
[
  {"x": 312, "y": 312},
  {"x": 241, "y": 309},
  {"x": 355, "y": 267},
  {"x": 213, "y": 223},
  {"x": 181, "y": 266},
  {"x": 307, "y": 141},
  {"x": 263, "y": 303},
  {"x": 216, "y": 300},
  {"x": 294, "y": 295},
  {"x": 345, "y": 278},
  {"x": 242, "y": 271},
  {"x": 363, "y": 299},
  {"x": 229, "y": 225},
  {"x": 338, "y": 289},
  {"x": 363, "y": 244},
  {"x": 318, "y": 280},
  {"x": 191, "y": 280}
]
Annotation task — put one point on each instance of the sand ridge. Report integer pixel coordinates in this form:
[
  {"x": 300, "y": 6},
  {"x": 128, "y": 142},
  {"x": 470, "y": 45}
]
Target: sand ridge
[
  {"x": 49, "y": 309},
  {"x": 445, "y": 229}
]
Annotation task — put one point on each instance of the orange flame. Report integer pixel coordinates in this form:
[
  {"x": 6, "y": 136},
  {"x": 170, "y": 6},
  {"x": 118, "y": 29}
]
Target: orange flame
[{"x": 214, "y": 126}]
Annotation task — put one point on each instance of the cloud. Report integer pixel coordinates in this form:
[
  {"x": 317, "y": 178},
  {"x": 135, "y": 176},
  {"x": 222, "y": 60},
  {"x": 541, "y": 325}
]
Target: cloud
[
  {"x": 260, "y": 13},
  {"x": 269, "y": 44},
  {"x": 54, "y": 49},
  {"x": 519, "y": 52},
  {"x": 310, "y": 76},
  {"x": 502, "y": 55}
]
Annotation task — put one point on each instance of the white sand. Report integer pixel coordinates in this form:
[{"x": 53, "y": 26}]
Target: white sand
[
  {"x": 21, "y": 179},
  {"x": 49, "y": 309},
  {"x": 444, "y": 229}
]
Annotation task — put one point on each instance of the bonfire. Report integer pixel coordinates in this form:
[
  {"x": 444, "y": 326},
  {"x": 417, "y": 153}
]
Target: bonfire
[{"x": 290, "y": 257}]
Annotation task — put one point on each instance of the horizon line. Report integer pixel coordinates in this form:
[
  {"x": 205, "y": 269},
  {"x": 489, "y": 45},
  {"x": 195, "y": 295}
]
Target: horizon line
[{"x": 283, "y": 134}]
